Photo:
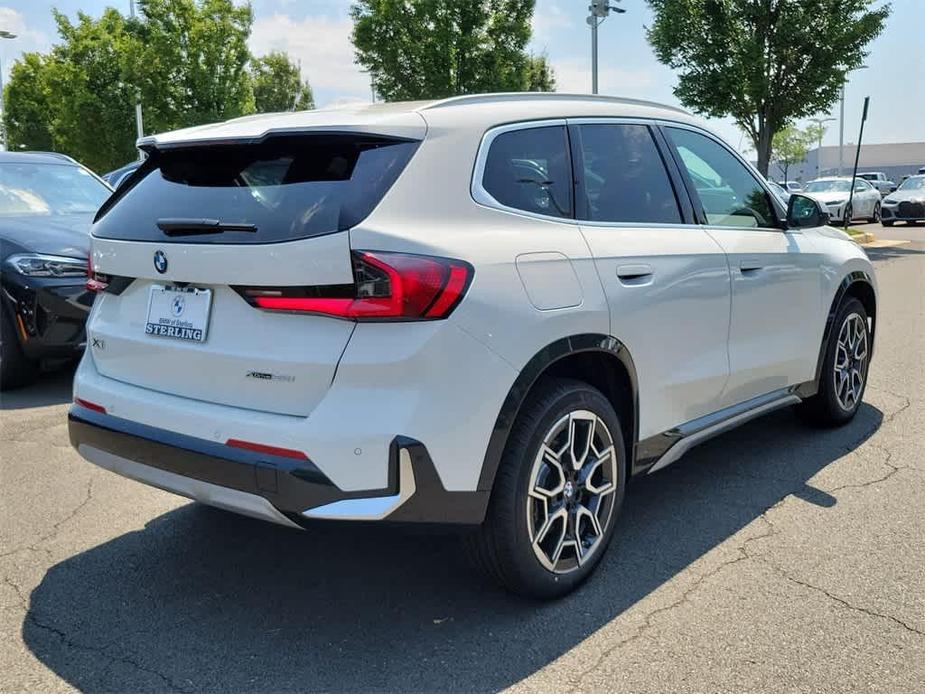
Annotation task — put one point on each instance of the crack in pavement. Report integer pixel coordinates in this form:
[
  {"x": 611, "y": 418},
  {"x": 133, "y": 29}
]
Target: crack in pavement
[
  {"x": 647, "y": 624},
  {"x": 841, "y": 601},
  {"x": 34, "y": 546},
  {"x": 65, "y": 640},
  {"x": 886, "y": 452},
  {"x": 782, "y": 572},
  {"x": 744, "y": 555}
]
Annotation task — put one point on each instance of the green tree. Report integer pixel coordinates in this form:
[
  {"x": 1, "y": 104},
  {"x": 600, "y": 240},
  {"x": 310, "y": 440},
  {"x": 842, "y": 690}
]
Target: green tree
[
  {"x": 90, "y": 105},
  {"x": 27, "y": 113},
  {"x": 189, "y": 59},
  {"x": 540, "y": 75},
  {"x": 424, "y": 49},
  {"x": 278, "y": 85},
  {"x": 186, "y": 59},
  {"x": 765, "y": 63},
  {"x": 789, "y": 147}
]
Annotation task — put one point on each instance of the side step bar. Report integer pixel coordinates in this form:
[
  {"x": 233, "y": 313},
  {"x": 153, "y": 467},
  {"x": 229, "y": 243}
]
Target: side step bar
[{"x": 699, "y": 430}]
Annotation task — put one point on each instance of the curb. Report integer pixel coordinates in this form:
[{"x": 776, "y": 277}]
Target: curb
[{"x": 864, "y": 238}]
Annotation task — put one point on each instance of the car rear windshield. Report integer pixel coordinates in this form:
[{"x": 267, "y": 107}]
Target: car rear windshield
[{"x": 281, "y": 189}]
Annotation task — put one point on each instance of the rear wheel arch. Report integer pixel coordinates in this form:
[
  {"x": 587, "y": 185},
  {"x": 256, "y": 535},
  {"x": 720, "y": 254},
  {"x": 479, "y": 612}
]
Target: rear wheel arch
[{"x": 599, "y": 360}]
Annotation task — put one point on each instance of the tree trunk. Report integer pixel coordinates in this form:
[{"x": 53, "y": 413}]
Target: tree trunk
[{"x": 763, "y": 148}]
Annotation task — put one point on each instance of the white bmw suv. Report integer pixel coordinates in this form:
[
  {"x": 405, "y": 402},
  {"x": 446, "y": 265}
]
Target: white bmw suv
[{"x": 488, "y": 311}]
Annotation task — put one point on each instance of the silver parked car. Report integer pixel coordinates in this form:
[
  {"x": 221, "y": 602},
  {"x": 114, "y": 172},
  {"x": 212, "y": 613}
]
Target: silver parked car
[
  {"x": 880, "y": 181},
  {"x": 906, "y": 204}
]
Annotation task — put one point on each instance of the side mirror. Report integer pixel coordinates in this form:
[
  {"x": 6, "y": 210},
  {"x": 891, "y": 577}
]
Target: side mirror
[{"x": 805, "y": 212}]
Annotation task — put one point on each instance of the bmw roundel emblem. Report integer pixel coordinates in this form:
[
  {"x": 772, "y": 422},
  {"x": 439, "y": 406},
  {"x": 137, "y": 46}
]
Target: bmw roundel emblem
[{"x": 160, "y": 262}]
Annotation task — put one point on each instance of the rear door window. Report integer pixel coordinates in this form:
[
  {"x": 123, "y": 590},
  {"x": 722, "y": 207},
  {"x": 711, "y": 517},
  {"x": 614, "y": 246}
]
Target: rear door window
[
  {"x": 530, "y": 170},
  {"x": 282, "y": 189},
  {"x": 625, "y": 179}
]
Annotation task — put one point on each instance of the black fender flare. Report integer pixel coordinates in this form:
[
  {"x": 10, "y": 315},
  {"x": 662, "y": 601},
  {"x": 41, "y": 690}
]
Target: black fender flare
[
  {"x": 528, "y": 376},
  {"x": 854, "y": 277}
]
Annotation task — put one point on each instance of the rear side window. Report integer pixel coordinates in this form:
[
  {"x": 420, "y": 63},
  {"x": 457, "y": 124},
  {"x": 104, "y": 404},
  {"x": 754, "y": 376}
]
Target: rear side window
[
  {"x": 281, "y": 189},
  {"x": 530, "y": 170},
  {"x": 625, "y": 179}
]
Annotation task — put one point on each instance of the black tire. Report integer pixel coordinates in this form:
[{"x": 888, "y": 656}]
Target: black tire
[
  {"x": 502, "y": 546},
  {"x": 826, "y": 408},
  {"x": 16, "y": 370},
  {"x": 886, "y": 222},
  {"x": 876, "y": 217}
]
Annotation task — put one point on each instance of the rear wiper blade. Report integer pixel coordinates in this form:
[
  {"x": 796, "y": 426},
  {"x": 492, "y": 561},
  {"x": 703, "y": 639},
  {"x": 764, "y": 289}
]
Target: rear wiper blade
[{"x": 182, "y": 226}]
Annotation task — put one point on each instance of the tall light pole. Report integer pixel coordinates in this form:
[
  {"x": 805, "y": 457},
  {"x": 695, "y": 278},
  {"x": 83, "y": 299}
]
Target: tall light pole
[
  {"x": 4, "y": 34},
  {"x": 841, "y": 123},
  {"x": 139, "y": 121},
  {"x": 819, "y": 122},
  {"x": 599, "y": 11}
]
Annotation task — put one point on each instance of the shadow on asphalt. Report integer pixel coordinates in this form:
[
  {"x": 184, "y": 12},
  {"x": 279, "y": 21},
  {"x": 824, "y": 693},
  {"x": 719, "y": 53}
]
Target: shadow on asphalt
[
  {"x": 890, "y": 252},
  {"x": 51, "y": 388},
  {"x": 204, "y": 600}
]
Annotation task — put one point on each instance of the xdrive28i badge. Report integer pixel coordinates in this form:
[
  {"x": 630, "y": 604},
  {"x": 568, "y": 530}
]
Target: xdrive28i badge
[{"x": 160, "y": 261}]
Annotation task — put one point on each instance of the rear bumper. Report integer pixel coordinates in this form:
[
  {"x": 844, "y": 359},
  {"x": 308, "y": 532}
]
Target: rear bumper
[{"x": 283, "y": 490}]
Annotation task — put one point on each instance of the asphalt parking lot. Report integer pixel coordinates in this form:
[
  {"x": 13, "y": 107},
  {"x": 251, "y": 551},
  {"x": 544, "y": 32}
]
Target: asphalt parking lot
[{"x": 773, "y": 558}]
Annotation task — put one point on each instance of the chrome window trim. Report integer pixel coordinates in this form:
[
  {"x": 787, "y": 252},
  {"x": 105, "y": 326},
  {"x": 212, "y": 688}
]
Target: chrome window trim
[
  {"x": 477, "y": 190},
  {"x": 483, "y": 198}
]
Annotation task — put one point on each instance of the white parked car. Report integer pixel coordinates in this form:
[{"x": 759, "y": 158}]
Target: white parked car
[
  {"x": 834, "y": 193},
  {"x": 488, "y": 310},
  {"x": 782, "y": 193}
]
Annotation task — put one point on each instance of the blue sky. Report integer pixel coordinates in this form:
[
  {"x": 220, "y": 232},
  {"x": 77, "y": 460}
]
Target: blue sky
[{"x": 317, "y": 33}]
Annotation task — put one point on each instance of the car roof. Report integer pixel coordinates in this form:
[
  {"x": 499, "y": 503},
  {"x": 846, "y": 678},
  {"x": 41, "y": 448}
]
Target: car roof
[
  {"x": 35, "y": 158},
  {"x": 412, "y": 118}
]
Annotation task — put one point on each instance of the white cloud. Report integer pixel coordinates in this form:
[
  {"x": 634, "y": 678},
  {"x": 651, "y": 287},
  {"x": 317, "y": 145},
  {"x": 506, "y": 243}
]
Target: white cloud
[
  {"x": 548, "y": 21},
  {"x": 322, "y": 44},
  {"x": 574, "y": 75},
  {"x": 26, "y": 39}
]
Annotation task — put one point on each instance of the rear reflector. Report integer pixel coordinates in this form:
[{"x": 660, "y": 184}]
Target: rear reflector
[
  {"x": 269, "y": 450},
  {"x": 387, "y": 286},
  {"x": 96, "y": 282},
  {"x": 90, "y": 405}
]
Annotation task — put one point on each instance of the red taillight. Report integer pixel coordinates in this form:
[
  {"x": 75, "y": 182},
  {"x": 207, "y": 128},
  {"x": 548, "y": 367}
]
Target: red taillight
[
  {"x": 386, "y": 286},
  {"x": 90, "y": 405},
  {"x": 263, "y": 448},
  {"x": 96, "y": 281}
]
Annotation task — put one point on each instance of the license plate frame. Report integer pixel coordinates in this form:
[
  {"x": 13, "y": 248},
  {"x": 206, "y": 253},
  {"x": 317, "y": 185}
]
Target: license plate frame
[{"x": 178, "y": 313}]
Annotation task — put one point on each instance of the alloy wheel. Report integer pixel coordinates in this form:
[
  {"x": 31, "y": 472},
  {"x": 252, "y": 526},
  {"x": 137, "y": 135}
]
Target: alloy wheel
[
  {"x": 570, "y": 501},
  {"x": 851, "y": 353}
]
